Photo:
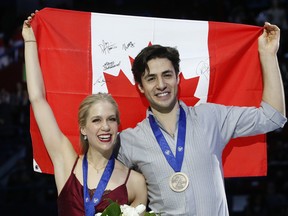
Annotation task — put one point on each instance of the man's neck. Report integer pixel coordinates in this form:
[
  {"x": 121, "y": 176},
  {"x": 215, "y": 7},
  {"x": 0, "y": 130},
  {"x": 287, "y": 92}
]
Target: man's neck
[{"x": 168, "y": 120}]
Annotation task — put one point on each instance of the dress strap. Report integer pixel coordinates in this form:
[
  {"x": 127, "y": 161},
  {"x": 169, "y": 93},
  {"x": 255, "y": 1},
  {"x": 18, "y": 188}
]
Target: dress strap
[
  {"x": 75, "y": 164},
  {"x": 127, "y": 176}
]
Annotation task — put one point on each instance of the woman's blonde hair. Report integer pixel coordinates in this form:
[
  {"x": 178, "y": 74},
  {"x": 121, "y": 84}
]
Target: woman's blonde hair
[{"x": 83, "y": 112}]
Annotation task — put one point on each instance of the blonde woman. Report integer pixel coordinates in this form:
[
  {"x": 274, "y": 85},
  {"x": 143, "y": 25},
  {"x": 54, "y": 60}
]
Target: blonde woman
[{"x": 85, "y": 182}]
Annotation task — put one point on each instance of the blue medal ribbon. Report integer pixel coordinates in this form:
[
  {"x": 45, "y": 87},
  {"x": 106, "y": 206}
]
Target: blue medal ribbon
[
  {"x": 90, "y": 204},
  {"x": 175, "y": 162}
]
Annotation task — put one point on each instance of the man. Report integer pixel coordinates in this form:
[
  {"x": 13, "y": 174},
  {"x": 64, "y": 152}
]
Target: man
[{"x": 179, "y": 148}]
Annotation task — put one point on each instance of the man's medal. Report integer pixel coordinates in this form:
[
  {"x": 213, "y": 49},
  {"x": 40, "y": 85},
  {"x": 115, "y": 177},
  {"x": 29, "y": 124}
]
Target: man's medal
[{"x": 178, "y": 181}]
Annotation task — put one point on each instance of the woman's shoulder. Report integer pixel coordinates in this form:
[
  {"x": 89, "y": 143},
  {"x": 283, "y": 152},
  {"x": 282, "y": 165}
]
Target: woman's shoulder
[
  {"x": 133, "y": 175},
  {"x": 121, "y": 169},
  {"x": 136, "y": 177},
  {"x": 120, "y": 166}
]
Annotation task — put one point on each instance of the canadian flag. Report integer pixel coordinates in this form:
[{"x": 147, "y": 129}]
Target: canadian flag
[{"x": 83, "y": 53}]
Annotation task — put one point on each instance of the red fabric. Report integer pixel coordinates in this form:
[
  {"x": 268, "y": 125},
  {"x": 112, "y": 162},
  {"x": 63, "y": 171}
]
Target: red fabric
[
  {"x": 235, "y": 79},
  {"x": 65, "y": 56}
]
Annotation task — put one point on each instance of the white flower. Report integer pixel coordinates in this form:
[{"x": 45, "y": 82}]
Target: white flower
[
  {"x": 114, "y": 209},
  {"x": 140, "y": 208},
  {"x": 131, "y": 211}
]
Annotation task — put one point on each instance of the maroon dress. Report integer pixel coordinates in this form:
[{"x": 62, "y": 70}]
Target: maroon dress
[{"x": 71, "y": 201}]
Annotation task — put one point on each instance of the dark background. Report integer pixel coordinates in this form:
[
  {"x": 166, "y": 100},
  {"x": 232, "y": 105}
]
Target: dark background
[{"x": 25, "y": 192}]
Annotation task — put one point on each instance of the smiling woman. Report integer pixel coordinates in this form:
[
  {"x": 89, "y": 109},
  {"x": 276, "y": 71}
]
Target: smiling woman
[
  {"x": 37, "y": 190},
  {"x": 98, "y": 113},
  {"x": 85, "y": 182}
]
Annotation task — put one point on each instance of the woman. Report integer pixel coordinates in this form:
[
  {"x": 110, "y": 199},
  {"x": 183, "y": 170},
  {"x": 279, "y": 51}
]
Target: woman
[{"x": 77, "y": 176}]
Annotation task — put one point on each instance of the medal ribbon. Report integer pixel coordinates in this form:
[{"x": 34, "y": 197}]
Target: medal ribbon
[
  {"x": 175, "y": 162},
  {"x": 90, "y": 204}
]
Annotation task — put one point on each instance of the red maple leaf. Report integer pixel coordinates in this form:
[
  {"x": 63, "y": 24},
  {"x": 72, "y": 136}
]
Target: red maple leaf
[
  {"x": 187, "y": 88},
  {"x": 133, "y": 104}
]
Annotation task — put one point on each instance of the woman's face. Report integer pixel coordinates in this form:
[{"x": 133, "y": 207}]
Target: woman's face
[{"x": 101, "y": 127}]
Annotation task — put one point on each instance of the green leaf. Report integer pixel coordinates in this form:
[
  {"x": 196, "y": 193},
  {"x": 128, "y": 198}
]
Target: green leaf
[
  {"x": 152, "y": 214},
  {"x": 149, "y": 214},
  {"x": 112, "y": 210}
]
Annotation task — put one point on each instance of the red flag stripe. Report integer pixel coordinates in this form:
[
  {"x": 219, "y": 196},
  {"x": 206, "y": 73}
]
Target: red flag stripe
[{"x": 235, "y": 79}]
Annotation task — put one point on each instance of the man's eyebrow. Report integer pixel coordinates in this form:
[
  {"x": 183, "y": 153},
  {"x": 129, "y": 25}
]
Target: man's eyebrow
[
  {"x": 148, "y": 75},
  {"x": 168, "y": 71}
]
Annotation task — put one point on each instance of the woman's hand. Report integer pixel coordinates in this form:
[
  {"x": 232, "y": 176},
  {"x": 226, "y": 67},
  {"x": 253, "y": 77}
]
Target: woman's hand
[{"x": 27, "y": 31}]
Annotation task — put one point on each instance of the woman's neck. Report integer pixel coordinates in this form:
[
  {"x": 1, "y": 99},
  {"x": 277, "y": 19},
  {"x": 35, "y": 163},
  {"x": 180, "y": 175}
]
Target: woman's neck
[{"x": 98, "y": 160}]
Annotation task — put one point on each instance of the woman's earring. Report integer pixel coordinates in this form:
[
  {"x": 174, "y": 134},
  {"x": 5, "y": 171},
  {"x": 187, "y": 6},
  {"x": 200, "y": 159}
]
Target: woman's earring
[{"x": 85, "y": 137}]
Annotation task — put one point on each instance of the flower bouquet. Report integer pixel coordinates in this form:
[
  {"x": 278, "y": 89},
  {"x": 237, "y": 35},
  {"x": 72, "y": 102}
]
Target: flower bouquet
[{"x": 114, "y": 209}]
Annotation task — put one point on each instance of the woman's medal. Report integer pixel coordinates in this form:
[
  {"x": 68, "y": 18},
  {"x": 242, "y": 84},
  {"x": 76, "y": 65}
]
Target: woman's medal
[{"x": 89, "y": 204}]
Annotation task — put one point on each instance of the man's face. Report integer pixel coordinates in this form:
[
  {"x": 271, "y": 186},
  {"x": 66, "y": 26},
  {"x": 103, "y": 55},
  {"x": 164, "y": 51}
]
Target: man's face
[{"x": 160, "y": 85}]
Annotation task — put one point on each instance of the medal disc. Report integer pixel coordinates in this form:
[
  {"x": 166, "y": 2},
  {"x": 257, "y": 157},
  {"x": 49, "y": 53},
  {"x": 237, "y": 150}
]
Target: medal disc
[{"x": 179, "y": 182}]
